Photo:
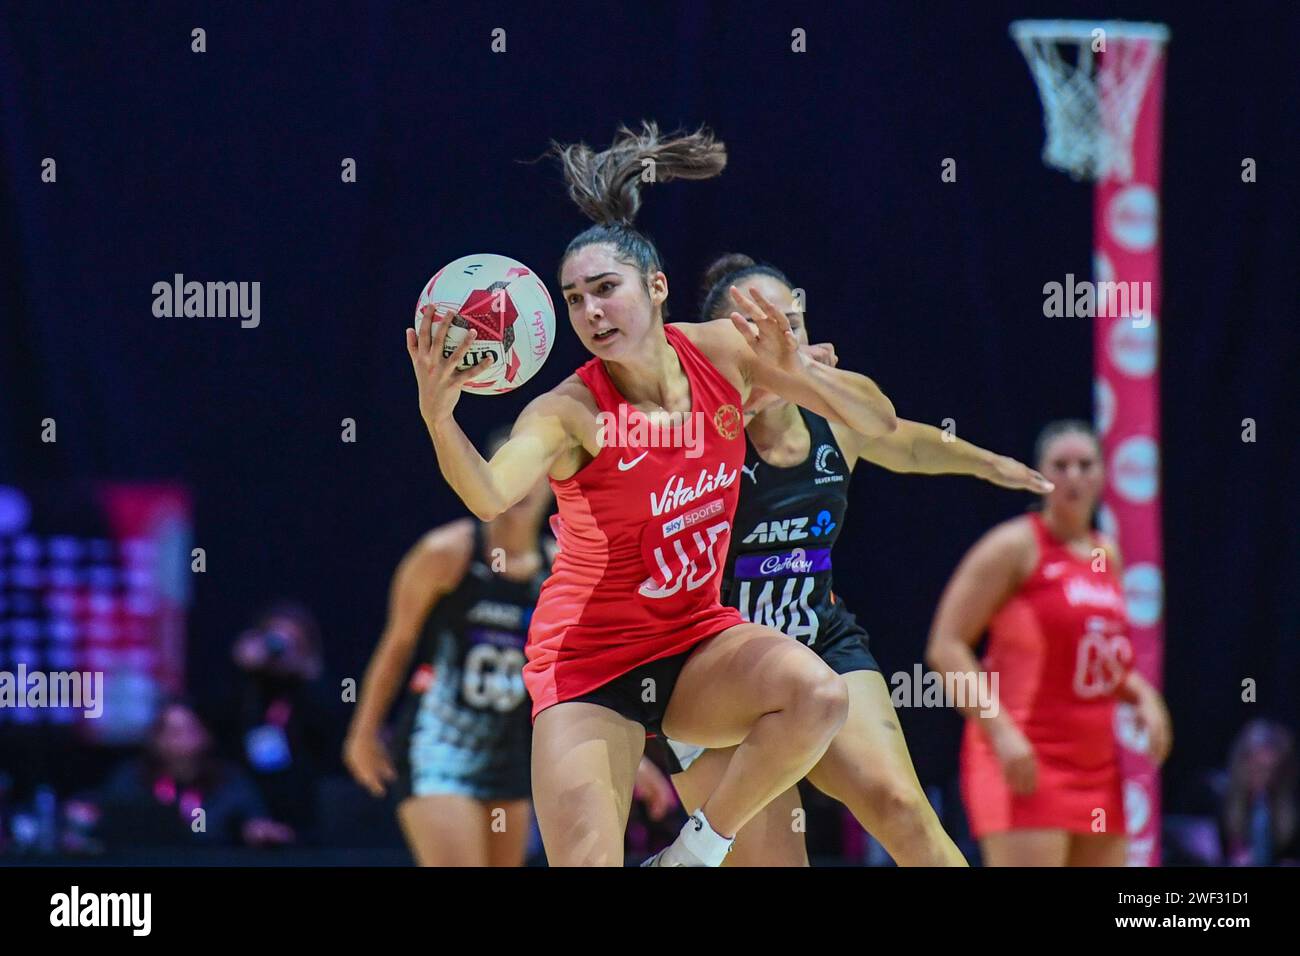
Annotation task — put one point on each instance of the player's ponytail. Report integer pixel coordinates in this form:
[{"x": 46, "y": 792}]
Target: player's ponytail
[
  {"x": 727, "y": 270},
  {"x": 606, "y": 185}
]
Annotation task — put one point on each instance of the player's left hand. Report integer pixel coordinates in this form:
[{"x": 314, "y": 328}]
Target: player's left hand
[
  {"x": 767, "y": 331},
  {"x": 1009, "y": 473}
]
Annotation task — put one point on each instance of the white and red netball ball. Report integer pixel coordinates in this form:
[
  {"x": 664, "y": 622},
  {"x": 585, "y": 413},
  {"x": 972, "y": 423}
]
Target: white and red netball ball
[{"x": 510, "y": 308}]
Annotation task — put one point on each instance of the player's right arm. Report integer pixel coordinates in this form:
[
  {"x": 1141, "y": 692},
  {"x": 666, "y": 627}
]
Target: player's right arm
[
  {"x": 987, "y": 577},
  {"x": 430, "y": 570},
  {"x": 550, "y": 429}
]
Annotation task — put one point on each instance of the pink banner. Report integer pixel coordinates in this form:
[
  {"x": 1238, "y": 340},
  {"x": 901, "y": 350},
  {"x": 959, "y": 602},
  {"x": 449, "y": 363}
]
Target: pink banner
[{"x": 1126, "y": 238}]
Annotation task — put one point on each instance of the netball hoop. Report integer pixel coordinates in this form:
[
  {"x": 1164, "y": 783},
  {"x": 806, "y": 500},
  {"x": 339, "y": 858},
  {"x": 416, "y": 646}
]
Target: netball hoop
[
  {"x": 1102, "y": 88},
  {"x": 1089, "y": 110}
]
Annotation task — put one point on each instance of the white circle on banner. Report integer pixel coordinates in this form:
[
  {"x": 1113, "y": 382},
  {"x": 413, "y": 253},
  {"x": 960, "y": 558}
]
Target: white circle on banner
[
  {"x": 1133, "y": 469},
  {"x": 1144, "y": 593},
  {"x": 1106, "y": 523},
  {"x": 1102, "y": 270},
  {"x": 1103, "y": 403},
  {"x": 1133, "y": 347},
  {"x": 1137, "y": 806},
  {"x": 1132, "y": 217},
  {"x": 1127, "y": 732}
]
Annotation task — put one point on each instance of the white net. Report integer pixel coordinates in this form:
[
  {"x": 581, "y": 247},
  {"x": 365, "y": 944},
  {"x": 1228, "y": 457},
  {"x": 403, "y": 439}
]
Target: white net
[{"x": 1091, "y": 95}]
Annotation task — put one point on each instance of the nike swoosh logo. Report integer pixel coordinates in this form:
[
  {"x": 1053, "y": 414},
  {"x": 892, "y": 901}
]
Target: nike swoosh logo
[{"x": 625, "y": 465}]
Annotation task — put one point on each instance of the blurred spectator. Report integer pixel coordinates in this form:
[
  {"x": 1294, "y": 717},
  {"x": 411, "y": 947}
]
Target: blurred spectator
[
  {"x": 151, "y": 800},
  {"x": 1258, "y": 824},
  {"x": 284, "y": 724}
]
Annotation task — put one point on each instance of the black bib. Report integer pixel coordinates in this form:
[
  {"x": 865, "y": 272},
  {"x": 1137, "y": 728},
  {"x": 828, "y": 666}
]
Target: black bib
[
  {"x": 475, "y": 635},
  {"x": 788, "y": 520}
]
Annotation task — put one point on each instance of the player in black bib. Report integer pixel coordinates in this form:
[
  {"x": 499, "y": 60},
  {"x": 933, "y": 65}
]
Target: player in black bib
[
  {"x": 459, "y": 607},
  {"x": 794, "y": 493}
]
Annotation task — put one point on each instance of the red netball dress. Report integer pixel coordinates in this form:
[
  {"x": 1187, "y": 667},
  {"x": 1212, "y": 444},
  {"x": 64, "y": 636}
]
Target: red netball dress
[
  {"x": 1060, "y": 648},
  {"x": 643, "y": 532}
]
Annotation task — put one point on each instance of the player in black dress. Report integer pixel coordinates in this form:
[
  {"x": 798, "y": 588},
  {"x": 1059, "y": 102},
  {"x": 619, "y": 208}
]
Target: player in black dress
[
  {"x": 459, "y": 606},
  {"x": 794, "y": 492}
]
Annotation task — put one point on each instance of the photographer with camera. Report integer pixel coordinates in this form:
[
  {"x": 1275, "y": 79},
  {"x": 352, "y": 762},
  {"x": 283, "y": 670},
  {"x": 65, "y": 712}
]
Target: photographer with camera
[{"x": 285, "y": 726}]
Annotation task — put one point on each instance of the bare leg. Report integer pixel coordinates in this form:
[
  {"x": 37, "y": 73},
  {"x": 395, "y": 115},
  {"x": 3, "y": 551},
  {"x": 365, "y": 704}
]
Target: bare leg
[
  {"x": 445, "y": 830},
  {"x": 1098, "y": 849},
  {"x": 773, "y": 838},
  {"x": 753, "y": 686},
  {"x": 584, "y": 765},
  {"x": 507, "y": 838},
  {"x": 1026, "y": 848},
  {"x": 868, "y": 769}
]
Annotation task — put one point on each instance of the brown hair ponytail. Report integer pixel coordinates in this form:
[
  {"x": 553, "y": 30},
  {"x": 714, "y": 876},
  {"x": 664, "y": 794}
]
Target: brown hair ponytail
[{"x": 606, "y": 185}]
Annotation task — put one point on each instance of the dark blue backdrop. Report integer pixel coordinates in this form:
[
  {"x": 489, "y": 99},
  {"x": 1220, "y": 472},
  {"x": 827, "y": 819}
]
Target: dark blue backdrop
[{"x": 226, "y": 166}]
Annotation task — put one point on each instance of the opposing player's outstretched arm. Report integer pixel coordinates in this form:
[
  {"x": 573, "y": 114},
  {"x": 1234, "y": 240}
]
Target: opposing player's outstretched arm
[
  {"x": 540, "y": 436},
  {"x": 431, "y": 569},
  {"x": 925, "y": 450},
  {"x": 915, "y": 448},
  {"x": 770, "y": 358}
]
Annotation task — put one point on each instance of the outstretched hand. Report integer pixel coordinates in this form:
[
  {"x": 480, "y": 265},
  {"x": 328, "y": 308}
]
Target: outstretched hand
[
  {"x": 767, "y": 331},
  {"x": 1009, "y": 473}
]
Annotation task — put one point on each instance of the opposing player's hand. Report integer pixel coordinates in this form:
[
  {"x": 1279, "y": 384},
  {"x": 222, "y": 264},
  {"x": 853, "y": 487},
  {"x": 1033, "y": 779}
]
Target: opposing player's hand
[
  {"x": 1016, "y": 755},
  {"x": 653, "y": 789},
  {"x": 762, "y": 398},
  {"x": 439, "y": 379},
  {"x": 767, "y": 331},
  {"x": 1009, "y": 473},
  {"x": 1153, "y": 718},
  {"x": 367, "y": 760},
  {"x": 823, "y": 352}
]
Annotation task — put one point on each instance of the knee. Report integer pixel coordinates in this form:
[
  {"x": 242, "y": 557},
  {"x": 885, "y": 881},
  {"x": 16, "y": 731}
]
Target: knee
[
  {"x": 898, "y": 804},
  {"x": 822, "y": 697}
]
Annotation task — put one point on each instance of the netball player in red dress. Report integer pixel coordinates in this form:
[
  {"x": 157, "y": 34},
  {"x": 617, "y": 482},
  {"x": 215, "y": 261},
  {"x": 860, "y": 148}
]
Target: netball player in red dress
[
  {"x": 1039, "y": 771},
  {"x": 629, "y": 635}
]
